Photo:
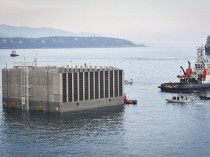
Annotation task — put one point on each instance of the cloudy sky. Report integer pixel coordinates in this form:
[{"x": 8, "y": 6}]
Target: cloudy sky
[{"x": 159, "y": 22}]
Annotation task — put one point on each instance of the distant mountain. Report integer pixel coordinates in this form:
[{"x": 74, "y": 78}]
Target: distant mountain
[
  {"x": 64, "y": 42},
  {"x": 27, "y": 32}
]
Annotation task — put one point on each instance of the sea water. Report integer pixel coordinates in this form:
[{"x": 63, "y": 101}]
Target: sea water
[{"x": 150, "y": 128}]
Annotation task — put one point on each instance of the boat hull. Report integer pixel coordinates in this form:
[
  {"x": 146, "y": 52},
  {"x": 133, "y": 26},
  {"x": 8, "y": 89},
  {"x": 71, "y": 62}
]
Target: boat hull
[
  {"x": 207, "y": 50},
  {"x": 14, "y": 55},
  {"x": 178, "y": 101},
  {"x": 128, "y": 83},
  {"x": 204, "y": 97},
  {"x": 183, "y": 88}
]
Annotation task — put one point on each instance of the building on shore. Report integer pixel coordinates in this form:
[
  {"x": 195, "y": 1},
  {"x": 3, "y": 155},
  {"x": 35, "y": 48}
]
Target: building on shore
[{"x": 61, "y": 89}]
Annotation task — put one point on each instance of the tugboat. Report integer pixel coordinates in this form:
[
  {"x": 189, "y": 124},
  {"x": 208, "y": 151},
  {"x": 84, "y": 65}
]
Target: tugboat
[
  {"x": 13, "y": 53},
  {"x": 207, "y": 46},
  {"x": 191, "y": 81}
]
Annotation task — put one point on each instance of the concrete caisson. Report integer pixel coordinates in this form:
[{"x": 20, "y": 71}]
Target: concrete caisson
[{"x": 61, "y": 89}]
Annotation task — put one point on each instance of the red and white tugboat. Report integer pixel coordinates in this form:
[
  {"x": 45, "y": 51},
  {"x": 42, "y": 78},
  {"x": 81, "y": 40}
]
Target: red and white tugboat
[
  {"x": 129, "y": 101},
  {"x": 197, "y": 80}
]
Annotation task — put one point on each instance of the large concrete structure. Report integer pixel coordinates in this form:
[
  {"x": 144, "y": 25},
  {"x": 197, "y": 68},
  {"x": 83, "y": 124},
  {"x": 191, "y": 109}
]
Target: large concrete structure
[{"x": 62, "y": 89}]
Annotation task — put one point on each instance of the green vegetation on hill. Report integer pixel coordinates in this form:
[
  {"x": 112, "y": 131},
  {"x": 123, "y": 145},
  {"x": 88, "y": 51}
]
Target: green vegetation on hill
[{"x": 63, "y": 42}]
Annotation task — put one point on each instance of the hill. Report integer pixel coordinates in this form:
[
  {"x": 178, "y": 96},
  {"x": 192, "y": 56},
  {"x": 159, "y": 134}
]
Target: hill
[
  {"x": 13, "y": 37},
  {"x": 63, "y": 42}
]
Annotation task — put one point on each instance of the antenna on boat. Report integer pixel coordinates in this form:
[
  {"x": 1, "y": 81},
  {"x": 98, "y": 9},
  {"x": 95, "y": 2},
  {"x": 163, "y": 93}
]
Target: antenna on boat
[
  {"x": 24, "y": 61},
  {"x": 35, "y": 61}
]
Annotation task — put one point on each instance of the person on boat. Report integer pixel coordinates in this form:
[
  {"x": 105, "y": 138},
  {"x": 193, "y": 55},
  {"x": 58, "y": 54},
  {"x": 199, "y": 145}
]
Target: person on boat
[{"x": 178, "y": 98}]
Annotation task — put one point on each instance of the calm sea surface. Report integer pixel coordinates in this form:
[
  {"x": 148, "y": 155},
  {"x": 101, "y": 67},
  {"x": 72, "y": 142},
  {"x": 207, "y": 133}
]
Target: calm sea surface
[{"x": 151, "y": 128}]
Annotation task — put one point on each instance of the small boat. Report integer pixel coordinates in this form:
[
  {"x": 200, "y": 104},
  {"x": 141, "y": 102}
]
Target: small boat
[
  {"x": 178, "y": 99},
  {"x": 205, "y": 95},
  {"x": 13, "y": 53},
  {"x": 129, "y": 101},
  {"x": 128, "y": 82}
]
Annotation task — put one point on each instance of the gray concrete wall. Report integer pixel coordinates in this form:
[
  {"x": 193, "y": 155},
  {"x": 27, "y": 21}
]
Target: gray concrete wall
[
  {"x": 56, "y": 87},
  {"x": 90, "y": 104},
  {"x": 45, "y": 86},
  {"x": 12, "y": 103},
  {"x": 11, "y": 83}
]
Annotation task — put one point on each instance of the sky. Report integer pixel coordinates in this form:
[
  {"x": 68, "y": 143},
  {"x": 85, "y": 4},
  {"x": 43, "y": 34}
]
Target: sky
[{"x": 155, "y": 22}]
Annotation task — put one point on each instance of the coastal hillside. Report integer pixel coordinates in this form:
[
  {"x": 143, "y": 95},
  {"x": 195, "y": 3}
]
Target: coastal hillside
[
  {"x": 14, "y": 37},
  {"x": 63, "y": 42}
]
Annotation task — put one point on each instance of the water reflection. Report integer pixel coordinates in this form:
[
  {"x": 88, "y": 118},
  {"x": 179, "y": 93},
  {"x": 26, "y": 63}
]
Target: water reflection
[
  {"x": 65, "y": 120},
  {"x": 49, "y": 133}
]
